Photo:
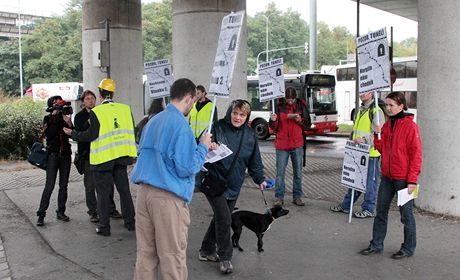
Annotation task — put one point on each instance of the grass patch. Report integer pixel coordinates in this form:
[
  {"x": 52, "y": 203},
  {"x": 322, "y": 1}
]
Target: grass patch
[{"x": 345, "y": 128}]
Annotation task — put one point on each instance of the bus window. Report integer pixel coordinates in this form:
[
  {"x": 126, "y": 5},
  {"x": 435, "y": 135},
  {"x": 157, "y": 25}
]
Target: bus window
[
  {"x": 400, "y": 68},
  {"x": 411, "y": 99},
  {"x": 322, "y": 100},
  {"x": 351, "y": 74},
  {"x": 342, "y": 74},
  {"x": 411, "y": 69}
]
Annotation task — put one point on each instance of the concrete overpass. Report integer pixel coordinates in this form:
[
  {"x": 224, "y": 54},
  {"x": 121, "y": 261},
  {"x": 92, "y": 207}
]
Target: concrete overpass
[
  {"x": 9, "y": 26},
  {"x": 195, "y": 31}
]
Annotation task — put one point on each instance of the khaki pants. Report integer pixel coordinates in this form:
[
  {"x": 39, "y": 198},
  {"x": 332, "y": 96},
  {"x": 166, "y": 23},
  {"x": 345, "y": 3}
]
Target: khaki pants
[{"x": 162, "y": 221}]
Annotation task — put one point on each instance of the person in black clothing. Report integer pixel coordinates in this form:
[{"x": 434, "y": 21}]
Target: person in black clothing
[
  {"x": 232, "y": 131},
  {"x": 156, "y": 107},
  {"x": 81, "y": 124},
  {"x": 59, "y": 158}
]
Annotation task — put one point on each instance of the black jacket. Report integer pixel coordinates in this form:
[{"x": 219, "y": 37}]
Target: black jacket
[
  {"x": 56, "y": 140},
  {"x": 81, "y": 124},
  {"x": 249, "y": 157}
]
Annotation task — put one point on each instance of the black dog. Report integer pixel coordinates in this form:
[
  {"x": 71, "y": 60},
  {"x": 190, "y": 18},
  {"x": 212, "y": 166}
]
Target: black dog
[{"x": 258, "y": 223}]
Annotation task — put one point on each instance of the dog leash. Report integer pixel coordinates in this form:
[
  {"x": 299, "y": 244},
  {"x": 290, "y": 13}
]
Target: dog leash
[
  {"x": 262, "y": 191},
  {"x": 270, "y": 184}
]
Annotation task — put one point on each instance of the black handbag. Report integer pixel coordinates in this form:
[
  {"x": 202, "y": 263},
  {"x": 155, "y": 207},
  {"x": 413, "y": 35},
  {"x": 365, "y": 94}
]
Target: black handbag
[
  {"x": 38, "y": 156},
  {"x": 213, "y": 186},
  {"x": 79, "y": 162}
]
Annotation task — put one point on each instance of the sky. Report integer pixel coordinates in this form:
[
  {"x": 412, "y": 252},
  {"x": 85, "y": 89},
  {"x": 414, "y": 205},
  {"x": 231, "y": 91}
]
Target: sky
[{"x": 333, "y": 12}]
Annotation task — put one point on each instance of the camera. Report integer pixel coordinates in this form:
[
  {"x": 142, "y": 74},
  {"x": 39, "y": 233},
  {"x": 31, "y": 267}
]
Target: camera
[{"x": 62, "y": 106}]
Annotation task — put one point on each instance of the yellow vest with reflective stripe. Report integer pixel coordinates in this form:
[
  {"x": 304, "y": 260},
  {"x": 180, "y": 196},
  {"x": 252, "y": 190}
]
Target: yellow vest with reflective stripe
[
  {"x": 363, "y": 128},
  {"x": 116, "y": 134},
  {"x": 199, "y": 121}
]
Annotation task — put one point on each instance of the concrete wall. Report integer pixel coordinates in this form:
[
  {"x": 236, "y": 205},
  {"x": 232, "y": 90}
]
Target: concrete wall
[
  {"x": 438, "y": 105},
  {"x": 125, "y": 48},
  {"x": 196, "y": 27}
]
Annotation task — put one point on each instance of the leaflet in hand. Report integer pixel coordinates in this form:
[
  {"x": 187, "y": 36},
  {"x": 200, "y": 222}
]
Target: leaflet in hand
[
  {"x": 215, "y": 155},
  {"x": 404, "y": 196}
]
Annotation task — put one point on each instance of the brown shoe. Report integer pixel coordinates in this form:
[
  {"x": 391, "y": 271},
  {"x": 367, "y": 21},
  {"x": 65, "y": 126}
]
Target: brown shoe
[
  {"x": 278, "y": 202},
  {"x": 298, "y": 202}
]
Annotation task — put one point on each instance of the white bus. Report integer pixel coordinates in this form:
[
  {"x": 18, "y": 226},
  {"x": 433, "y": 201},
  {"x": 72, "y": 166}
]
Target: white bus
[
  {"x": 315, "y": 89},
  {"x": 406, "y": 82}
]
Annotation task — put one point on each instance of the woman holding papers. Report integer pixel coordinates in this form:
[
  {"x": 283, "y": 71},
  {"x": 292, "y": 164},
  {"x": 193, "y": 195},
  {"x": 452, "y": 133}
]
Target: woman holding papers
[
  {"x": 233, "y": 132},
  {"x": 401, "y": 150}
]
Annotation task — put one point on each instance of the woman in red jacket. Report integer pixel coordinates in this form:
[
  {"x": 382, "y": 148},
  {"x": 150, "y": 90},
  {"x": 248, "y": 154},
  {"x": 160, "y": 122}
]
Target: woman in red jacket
[{"x": 401, "y": 150}]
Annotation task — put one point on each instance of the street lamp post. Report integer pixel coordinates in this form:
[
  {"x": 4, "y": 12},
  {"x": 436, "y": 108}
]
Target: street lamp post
[
  {"x": 266, "y": 37},
  {"x": 20, "y": 51}
]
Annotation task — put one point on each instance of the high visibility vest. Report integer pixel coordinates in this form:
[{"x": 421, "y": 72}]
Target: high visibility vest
[
  {"x": 116, "y": 134},
  {"x": 199, "y": 120},
  {"x": 363, "y": 128}
]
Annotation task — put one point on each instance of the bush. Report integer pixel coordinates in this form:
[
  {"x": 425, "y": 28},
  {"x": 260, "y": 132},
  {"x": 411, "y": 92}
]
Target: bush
[{"x": 20, "y": 125}]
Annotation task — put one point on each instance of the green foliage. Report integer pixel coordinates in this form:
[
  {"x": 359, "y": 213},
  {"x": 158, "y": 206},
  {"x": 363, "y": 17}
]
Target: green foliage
[
  {"x": 157, "y": 30},
  {"x": 9, "y": 67},
  {"x": 407, "y": 47},
  {"x": 53, "y": 50},
  {"x": 20, "y": 126}
]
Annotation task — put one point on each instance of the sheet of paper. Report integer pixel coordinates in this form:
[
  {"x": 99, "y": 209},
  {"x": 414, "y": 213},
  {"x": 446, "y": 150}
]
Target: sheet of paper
[
  {"x": 404, "y": 196},
  {"x": 215, "y": 155}
]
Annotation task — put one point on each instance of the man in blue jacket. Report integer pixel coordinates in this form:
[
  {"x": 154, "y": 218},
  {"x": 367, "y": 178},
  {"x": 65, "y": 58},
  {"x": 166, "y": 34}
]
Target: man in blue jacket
[{"x": 169, "y": 158}]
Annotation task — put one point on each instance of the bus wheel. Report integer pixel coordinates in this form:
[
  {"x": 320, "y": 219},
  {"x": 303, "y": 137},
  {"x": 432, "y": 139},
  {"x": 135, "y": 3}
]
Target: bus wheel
[{"x": 261, "y": 129}]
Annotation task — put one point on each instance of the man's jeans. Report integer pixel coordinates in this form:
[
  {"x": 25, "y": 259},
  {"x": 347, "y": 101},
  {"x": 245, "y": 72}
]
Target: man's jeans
[
  {"x": 387, "y": 190},
  {"x": 281, "y": 164},
  {"x": 373, "y": 173},
  {"x": 56, "y": 162}
]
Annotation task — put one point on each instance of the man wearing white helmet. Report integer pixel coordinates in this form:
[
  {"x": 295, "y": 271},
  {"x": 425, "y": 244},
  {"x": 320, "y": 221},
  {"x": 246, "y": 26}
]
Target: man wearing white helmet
[{"x": 113, "y": 147}]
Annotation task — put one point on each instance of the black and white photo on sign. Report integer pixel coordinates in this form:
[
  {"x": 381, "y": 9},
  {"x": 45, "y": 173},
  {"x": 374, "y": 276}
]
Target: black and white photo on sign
[
  {"x": 226, "y": 54},
  {"x": 271, "y": 80},
  {"x": 355, "y": 164},
  {"x": 159, "y": 77},
  {"x": 373, "y": 61}
]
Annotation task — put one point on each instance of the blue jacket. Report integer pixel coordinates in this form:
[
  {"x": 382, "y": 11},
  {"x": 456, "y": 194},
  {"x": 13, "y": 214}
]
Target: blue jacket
[{"x": 169, "y": 156}]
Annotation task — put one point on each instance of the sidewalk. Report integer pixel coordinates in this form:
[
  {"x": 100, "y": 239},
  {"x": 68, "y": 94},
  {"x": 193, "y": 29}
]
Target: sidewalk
[{"x": 310, "y": 243}]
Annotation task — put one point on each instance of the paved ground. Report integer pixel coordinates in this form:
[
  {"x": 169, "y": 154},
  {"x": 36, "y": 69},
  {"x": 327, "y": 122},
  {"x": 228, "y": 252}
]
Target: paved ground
[{"x": 310, "y": 243}]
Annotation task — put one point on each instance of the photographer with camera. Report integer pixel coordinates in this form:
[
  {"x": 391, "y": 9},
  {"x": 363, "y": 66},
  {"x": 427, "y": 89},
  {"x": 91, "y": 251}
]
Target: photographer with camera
[{"x": 59, "y": 156}]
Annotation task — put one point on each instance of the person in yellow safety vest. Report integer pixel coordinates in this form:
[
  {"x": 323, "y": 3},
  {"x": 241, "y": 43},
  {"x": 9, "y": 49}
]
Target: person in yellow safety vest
[
  {"x": 200, "y": 116},
  {"x": 112, "y": 149},
  {"x": 363, "y": 132}
]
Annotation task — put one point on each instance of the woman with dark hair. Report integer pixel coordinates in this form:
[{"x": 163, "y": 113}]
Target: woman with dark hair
[
  {"x": 59, "y": 158},
  {"x": 156, "y": 107},
  {"x": 401, "y": 150},
  {"x": 234, "y": 132}
]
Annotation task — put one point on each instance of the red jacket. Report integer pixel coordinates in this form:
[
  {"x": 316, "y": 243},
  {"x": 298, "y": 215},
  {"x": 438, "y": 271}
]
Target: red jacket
[
  {"x": 289, "y": 133},
  {"x": 401, "y": 149}
]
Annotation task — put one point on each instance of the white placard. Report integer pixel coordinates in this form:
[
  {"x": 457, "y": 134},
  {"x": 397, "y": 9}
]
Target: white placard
[
  {"x": 68, "y": 91},
  {"x": 227, "y": 52},
  {"x": 159, "y": 77},
  {"x": 271, "y": 80},
  {"x": 373, "y": 61},
  {"x": 355, "y": 164}
]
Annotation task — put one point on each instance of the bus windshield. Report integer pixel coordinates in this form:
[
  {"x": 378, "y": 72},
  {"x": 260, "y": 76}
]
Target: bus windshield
[{"x": 321, "y": 100}]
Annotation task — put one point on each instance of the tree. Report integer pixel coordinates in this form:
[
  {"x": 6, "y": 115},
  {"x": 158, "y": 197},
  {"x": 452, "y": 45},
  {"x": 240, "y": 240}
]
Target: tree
[
  {"x": 157, "y": 30},
  {"x": 407, "y": 47},
  {"x": 9, "y": 67},
  {"x": 53, "y": 50}
]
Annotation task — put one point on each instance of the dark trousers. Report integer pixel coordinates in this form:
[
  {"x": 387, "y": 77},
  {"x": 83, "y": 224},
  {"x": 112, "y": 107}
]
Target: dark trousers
[
  {"x": 104, "y": 181},
  {"x": 56, "y": 162},
  {"x": 219, "y": 230},
  {"x": 90, "y": 192},
  {"x": 387, "y": 190}
]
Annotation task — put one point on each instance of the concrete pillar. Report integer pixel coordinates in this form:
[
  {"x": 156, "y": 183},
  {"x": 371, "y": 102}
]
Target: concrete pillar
[
  {"x": 438, "y": 105},
  {"x": 125, "y": 48},
  {"x": 196, "y": 26}
]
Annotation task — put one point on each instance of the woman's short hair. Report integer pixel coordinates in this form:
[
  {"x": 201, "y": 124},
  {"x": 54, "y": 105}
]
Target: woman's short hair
[
  {"x": 241, "y": 104},
  {"x": 86, "y": 93},
  {"x": 398, "y": 97}
]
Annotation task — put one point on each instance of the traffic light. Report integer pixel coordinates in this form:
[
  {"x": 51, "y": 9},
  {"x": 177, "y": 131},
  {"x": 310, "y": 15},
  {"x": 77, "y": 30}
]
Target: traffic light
[{"x": 306, "y": 48}]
